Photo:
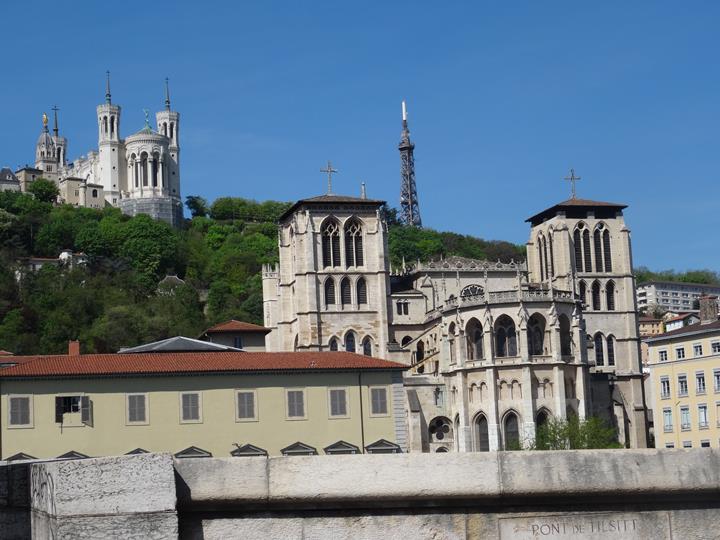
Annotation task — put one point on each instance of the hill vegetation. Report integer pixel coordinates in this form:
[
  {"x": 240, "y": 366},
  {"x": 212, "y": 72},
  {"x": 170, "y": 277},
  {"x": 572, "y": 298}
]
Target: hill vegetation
[{"x": 116, "y": 298}]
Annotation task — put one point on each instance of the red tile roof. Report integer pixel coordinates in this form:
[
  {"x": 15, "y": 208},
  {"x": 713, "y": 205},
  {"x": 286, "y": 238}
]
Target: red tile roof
[
  {"x": 236, "y": 326},
  {"x": 5, "y": 353},
  {"x": 196, "y": 362}
]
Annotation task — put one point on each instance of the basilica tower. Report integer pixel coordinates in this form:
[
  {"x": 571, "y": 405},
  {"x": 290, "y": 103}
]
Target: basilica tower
[
  {"x": 111, "y": 163},
  {"x": 168, "y": 123},
  {"x": 584, "y": 246},
  {"x": 45, "y": 153}
]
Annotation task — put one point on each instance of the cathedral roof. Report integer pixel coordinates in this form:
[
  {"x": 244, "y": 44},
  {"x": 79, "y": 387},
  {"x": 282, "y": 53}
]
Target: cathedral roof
[
  {"x": 45, "y": 139},
  {"x": 576, "y": 206},
  {"x": 331, "y": 198}
]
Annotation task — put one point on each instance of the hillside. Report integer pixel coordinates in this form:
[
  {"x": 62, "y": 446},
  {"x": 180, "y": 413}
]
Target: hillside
[{"x": 114, "y": 300}]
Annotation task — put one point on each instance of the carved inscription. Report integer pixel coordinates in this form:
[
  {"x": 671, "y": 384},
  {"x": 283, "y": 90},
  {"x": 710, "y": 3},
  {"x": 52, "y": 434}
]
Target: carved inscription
[{"x": 625, "y": 525}]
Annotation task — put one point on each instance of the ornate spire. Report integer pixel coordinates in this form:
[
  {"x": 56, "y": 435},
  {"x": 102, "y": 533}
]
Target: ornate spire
[
  {"x": 167, "y": 94},
  {"x": 55, "y": 110},
  {"x": 108, "y": 99},
  {"x": 45, "y": 123},
  {"x": 409, "y": 206}
]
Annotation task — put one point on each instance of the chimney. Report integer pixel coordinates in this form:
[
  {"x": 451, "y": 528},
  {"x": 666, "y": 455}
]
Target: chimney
[
  {"x": 708, "y": 309},
  {"x": 73, "y": 348}
]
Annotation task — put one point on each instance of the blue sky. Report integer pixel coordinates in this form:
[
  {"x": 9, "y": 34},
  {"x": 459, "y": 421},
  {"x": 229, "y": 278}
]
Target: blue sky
[{"x": 503, "y": 99}]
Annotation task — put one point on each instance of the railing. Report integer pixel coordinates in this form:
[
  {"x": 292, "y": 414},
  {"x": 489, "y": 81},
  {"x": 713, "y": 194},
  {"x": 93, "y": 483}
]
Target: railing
[{"x": 500, "y": 297}]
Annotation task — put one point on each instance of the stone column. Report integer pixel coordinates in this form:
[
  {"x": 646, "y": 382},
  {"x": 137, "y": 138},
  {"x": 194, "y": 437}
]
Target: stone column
[
  {"x": 461, "y": 348},
  {"x": 528, "y": 409},
  {"x": 559, "y": 392},
  {"x": 580, "y": 390},
  {"x": 464, "y": 431},
  {"x": 492, "y": 409},
  {"x": 488, "y": 342}
]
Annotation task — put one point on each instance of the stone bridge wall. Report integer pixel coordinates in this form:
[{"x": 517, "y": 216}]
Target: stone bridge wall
[{"x": 653, "y": 494}]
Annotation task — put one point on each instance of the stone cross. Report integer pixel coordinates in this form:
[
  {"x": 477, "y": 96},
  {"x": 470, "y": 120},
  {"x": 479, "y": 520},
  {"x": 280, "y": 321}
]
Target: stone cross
[
  {"x": 572, "y": 178},
  {"x": 329, "y": 170}
]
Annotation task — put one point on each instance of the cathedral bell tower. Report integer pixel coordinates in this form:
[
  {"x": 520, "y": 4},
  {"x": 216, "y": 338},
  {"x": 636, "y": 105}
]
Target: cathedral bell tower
[
  {"x": 109, "y": 144},
  {"x": 168, "y": 123},
  {"x": 45, "y": 152}
]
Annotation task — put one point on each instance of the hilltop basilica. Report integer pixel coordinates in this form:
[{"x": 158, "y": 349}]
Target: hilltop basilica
[
  {"x": 139, "y": 173},
  {"x": 493, "y": 349}
]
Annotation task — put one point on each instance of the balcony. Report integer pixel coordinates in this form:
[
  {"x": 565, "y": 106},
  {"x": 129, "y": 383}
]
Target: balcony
[{"x": 668, "y": 429}]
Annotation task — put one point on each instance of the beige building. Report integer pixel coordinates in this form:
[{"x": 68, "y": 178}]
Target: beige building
[
  {"x": 238, "y": 334},
  {"x": 200, "y": 403},
  {"x": 684, "y": 369},
  {"x": 78, "y": 192}
]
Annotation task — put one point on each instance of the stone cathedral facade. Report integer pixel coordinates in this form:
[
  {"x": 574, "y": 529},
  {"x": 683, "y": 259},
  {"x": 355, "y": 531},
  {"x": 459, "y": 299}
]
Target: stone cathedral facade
[
  {"x": 493, "y": 349},
  {"x": 139, "y": 173}
]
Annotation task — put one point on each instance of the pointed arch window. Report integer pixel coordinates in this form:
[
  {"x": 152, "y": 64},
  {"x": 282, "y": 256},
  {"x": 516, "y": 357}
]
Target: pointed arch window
[
  {"x": 586, "y": 251},
  {"x": 596, "y": 296},
  {"x": 611, "y": 350},
  {"x": 583, "y": 293},
  {"x": 540, "y": 258},
  {"x": 535, "y": 335},
  {"x": 331, "y": 244},
  {"x": 354, "y": 255},
  {"x": 597, "y": 243},
  {"x": 565, "y": 338},
  {"x": 505, "y": 337},
  {"x": 545, "y": 258},
  {"x": 610, "y": 296},
  {"x": 606, "y": 249},
  {"x": 512, "y": 432},
  {"x": 483, "y": 438},
  {"x": 578, "y": 250},
  {"x": 350, "y": 342},
  {"x": 599, "y": 356},
  {"x": 552, "y": 255},
  {"x": 345, "y": 292},
  {"x": 361, "y": 292},
  {"x": 329, "y": 292},
  {"x": 333, "y": 344},
  {"x": 367, "y": 346}
]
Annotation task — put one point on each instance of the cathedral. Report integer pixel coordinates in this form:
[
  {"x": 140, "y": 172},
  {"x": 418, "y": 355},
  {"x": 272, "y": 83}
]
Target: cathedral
[
  {"x": 139, "y": 173},
  {"x": 493, "y": 349}
]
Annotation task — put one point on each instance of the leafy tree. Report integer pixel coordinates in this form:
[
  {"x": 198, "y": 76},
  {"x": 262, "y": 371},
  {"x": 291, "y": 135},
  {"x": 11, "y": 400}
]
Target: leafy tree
[
  {"x": 575, "y": 434},
  {"x": 197, "y": 205},
  {"x": 44, "y": 190}
]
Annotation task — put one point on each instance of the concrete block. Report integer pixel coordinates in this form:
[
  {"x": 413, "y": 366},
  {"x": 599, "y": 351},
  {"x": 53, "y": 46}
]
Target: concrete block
[
  {"x": 372, "y": 478},
  {"x": 597, "y": 472},
  {"x": 218, "y": 481},
  {"x": 156, "y": 526}
]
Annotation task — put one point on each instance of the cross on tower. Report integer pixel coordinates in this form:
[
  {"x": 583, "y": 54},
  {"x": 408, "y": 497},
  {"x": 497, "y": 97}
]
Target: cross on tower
[
  {"x": 572, "y": 178},
  {"x": 55, "y": 109},
  {"x": 329, "y": 170}
]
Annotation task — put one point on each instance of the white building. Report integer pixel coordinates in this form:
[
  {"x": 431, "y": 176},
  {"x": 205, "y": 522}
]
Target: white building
[
  {"x": 673, "y": 296},
  {"x": 138, "y": 174}
]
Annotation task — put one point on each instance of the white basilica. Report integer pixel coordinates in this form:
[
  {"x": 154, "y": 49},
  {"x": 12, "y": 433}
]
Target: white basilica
[
  {"x": 138, "y": 174},
  {"x": 493, "y": 349}
]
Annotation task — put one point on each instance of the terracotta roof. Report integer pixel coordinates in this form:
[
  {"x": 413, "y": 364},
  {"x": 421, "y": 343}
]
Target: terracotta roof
[
  {"x": 331, "y": 198},
  {"x": 5, "y": 353},
  {"x": 574, "y": 203},
  {"x": 197, "y": 362},
  {"x": 690, "y": 329},
  {"x": 235, "y": 326},
  {"x": 681, "y": 317}
]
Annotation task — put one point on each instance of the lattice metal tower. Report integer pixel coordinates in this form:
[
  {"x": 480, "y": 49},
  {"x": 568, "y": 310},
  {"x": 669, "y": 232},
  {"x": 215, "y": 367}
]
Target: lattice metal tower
[{"x": 409, "y": 206}]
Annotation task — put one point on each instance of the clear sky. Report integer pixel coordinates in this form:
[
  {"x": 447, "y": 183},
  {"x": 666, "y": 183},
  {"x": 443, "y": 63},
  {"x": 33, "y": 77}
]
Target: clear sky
[{"x": 503, "y": 98}]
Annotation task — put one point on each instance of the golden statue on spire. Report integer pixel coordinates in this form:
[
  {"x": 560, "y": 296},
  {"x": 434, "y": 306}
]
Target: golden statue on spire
[{"x": 45, "y": 120}]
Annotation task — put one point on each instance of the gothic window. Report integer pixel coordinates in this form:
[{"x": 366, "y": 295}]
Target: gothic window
[
  {"x": 599, "y": 357},
  {"x": 361, "y": 292},
  {"x": 474, "y": 336},
  {"x": 345, "y": 292},
  {"x": 420, "y": 351},
  {"x": 512, "y": 432},
  {"x": 405, "y": 341},
  {"x": 451, "y": 342},
  {"x": 552, "y": 255},
  {"x": 586, "y": 250},
  {"x": 505, "y": 337},
  {"x": 112, "y": 126},
  {"x": 329, "y": 292},
  {"x": 540, "y": 258},
  {"x": 367, "y": 346},
  {"x": 333, "y": 344},
  {"x": 471, "y": 290},
  {"x": 596, "y": 296},
  {"x": 608, "y": 253},
  {"x": 440, "y": 429},
  {"x": 350, "y": 342},
  {"x": 331, "y": 244},
  {"x": 535, "y": 335},
  {"x": 598, "y": 250},
  {"x": 610, "y": 295},
  {"x": 353, "y": 244},
  {"x": 482, "y": 434},
  {"x": 611, "y": 350},
  {"x": 583, "y": 293},
  {"x": 578, "y": 250},
  {"x": 565, "y": 340},
  {"x": 541, "y": 418},
  {"x": 545, "y": 258}
]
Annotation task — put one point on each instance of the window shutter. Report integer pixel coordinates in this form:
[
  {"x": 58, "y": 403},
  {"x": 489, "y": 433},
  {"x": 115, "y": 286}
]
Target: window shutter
[
  {"x": 58, "y": 410},
  {"x": 86, "y": 411}
]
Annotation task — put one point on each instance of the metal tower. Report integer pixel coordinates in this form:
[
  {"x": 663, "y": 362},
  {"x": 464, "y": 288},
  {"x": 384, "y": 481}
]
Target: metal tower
[{"x": 409, "y": 206}]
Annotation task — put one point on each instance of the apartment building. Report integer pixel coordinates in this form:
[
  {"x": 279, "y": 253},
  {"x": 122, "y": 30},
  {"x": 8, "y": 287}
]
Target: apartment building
[
  {"x": 684, "y": 367},
  {"x": 203, "y": 403},
  {"x": 672, "y": 296}
]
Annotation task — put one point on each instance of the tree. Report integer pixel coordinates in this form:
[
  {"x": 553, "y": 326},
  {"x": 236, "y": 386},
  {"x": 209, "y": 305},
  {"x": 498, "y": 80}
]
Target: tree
[
  {"x": 575, "y": 434},
  {"x": 44, "y": 190},
  {"x": 197, "y": 205}
]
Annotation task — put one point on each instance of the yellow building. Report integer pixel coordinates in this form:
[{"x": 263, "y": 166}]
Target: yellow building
[
  {"x": 684, "y": 369},
  {"x": 201, "y": 403}
]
